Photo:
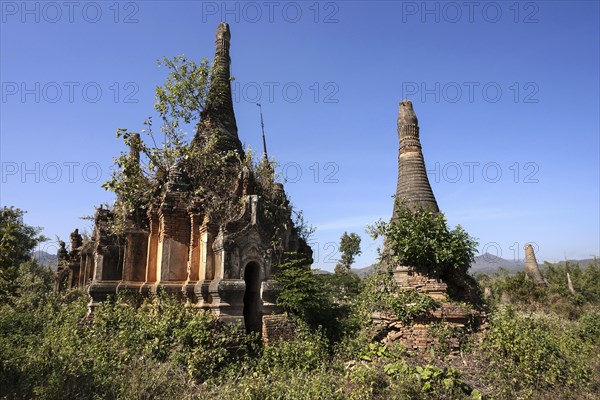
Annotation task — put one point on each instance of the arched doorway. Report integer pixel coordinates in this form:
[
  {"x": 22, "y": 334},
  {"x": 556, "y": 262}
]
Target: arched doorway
[{"x": 252, "y": 309}]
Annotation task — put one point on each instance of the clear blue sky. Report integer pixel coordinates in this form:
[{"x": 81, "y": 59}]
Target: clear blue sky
[{"x": 507, "y": 96}]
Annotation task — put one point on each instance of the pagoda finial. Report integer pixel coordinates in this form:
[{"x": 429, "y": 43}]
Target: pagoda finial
[{"x": 218, "y": 116}]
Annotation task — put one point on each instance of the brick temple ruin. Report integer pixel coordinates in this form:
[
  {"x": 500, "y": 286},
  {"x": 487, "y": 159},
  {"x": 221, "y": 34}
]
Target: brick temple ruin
[
  {"x": 414, "y": 191},
  {"x": 221, "y": 264}
]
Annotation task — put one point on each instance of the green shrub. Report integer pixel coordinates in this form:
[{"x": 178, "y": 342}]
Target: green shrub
[
  {"x": 589, "y": 327},
  {"x": 536, "y": 351},
  {"x": 307, "y": 351},
  {"x": 556, "y": 297},
  {"x": 156, "y": 348},
  {"x": 164, "y": 330},
  {"x": 445, "y": 334},
  {"x": 277, "y": 385},
  {"x": 318, "y": 300},
  {"x": 422, "y": 239}
]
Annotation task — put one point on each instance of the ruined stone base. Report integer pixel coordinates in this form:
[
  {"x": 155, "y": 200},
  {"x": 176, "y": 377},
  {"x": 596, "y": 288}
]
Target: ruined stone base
[
  {"x": 277, "y": 328},
  {"x": 408, "y": 278},
  {"x": 100, "y": 291},
  {"x": 129, "y": 287},
  {"x": 223, "y": 297},
  {"x": 420, "y": 334}
]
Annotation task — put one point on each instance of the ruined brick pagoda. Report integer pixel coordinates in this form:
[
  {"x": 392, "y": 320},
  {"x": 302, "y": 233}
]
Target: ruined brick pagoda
[
  {"x": 414, "y": 192},
  {"x": 222, "y": 264}
]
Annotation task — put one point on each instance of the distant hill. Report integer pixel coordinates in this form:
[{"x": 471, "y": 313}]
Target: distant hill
[
  {"x": 487, "y": 263},
  {"x": 362, "y": 272},
  {"x": 483, "y": 264},
  {"x": 320, "y": 272},
  {"x": 582, "y": 263},
  {"x": 44, "y": 258},
  {"x": 366, "y": 271}
]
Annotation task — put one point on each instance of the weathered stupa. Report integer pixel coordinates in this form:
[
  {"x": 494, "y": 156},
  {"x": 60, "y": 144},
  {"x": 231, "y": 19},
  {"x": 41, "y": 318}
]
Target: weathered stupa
[
  {"x": 218, "y": 114},
  {"x": 221, "y": 262},
  {"x": 413, "y": 189},
  {"x": 532, "y": 267},
  {"x": 414, "y": 192}
]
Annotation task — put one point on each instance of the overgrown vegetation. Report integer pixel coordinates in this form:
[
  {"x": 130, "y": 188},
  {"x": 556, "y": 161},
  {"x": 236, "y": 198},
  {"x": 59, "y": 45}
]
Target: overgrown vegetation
[
  {"x": 544, "y": 338},
  {"x": 520, "y": 290},
  {"x": 17, "y": 241},
  {"x": 213, "y": 178},
  {"x": 159, "y": 348},
  {"x": 421, "y": 238},
  {"x": 382, "y": 294}
]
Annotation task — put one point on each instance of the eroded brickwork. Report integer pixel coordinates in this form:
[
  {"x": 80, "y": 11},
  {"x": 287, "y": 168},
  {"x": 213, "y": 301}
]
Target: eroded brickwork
[
  {"x": 414, "y": 192},
  {"x": 276, "y": 328}
]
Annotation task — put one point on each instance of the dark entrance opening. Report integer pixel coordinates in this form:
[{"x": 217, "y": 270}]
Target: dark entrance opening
[{"x": 252, "y": 314}]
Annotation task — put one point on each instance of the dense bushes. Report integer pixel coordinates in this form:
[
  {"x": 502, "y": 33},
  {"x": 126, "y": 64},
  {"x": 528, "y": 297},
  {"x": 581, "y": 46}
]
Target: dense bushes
[
  {"x": 543, "y": 345},
  {"x": 544, "y": 339},
  {"x": 161, "y": 349},
  {"x": 521, "y": 291},
  {"x": 537, "y": 351},
  {"x": 322, "y": 301},
  {"x": 125, "y": 350}
]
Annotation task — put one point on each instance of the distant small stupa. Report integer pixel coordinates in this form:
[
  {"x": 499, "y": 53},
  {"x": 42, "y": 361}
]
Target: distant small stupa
[{"x": 531, "y": 266}]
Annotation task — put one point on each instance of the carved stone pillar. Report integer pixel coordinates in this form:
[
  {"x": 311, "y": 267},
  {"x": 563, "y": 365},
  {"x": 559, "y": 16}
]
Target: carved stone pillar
[
  {"x": 206, "y": 268},
  {"x": 134, "y": 264},
  {"x": 173, "y": 243},
  {"x": 152, "y": 250},
  {"x": 193, "y": 266}
]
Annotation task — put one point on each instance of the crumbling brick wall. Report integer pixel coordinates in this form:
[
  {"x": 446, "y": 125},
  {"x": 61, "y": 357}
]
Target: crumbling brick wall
[{"x": 276, "y": 328}]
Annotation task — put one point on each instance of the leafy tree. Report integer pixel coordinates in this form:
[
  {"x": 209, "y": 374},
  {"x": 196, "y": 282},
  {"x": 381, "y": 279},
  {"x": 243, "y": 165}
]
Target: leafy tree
[
  {"x": 17, "y": 241},
  {"x": 343, "y": 287},
  {"x": 179, "y": 103},
  {"x": 312, "y": 297},
  {"x": 350, "y": 248},
  {"x": 302, "y": 294},
  {"x": 185, "y": 90}
]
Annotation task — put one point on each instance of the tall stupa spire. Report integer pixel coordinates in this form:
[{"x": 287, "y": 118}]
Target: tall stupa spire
[
  {"x": 218, "y": 110},
  {"x": 413, "y": 188}
]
